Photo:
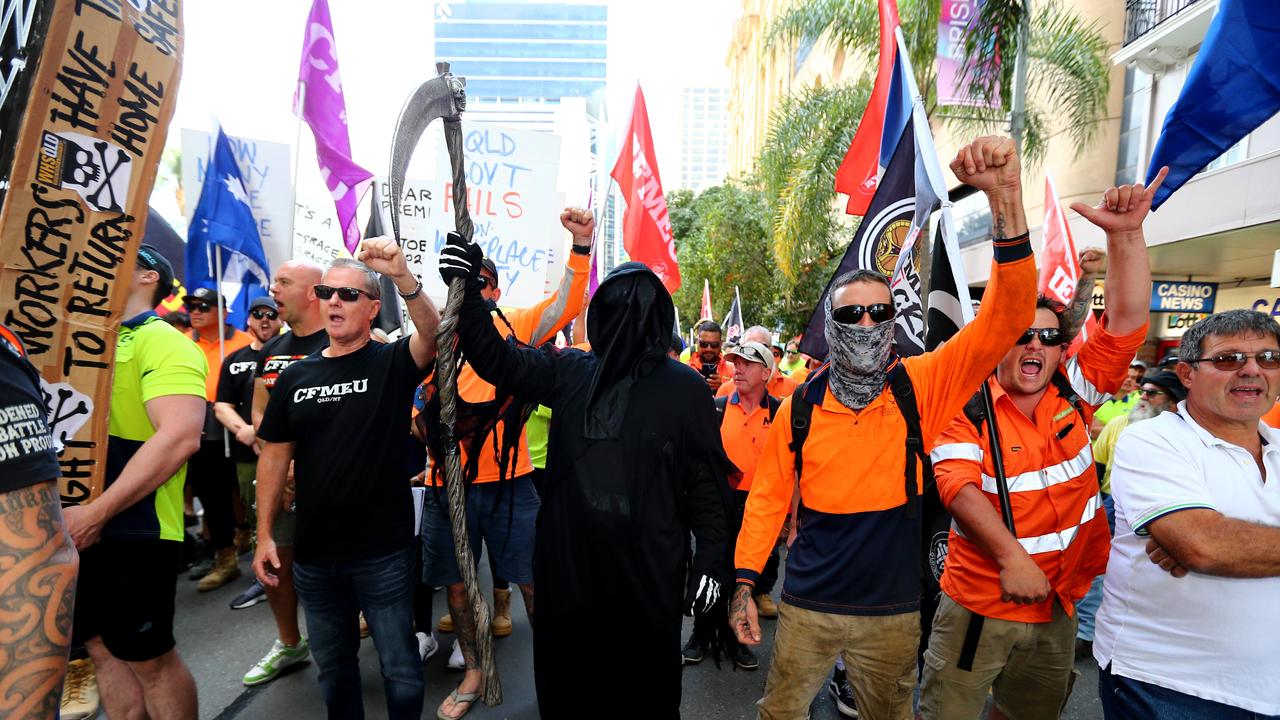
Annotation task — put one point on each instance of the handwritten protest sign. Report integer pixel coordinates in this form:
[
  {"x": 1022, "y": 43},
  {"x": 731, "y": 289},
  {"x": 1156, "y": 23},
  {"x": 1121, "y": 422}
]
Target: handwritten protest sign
[
  {"x": 265, "y": 168},
  {"x": 511, "y": 179},
  {"x": 95, "y": 124}
]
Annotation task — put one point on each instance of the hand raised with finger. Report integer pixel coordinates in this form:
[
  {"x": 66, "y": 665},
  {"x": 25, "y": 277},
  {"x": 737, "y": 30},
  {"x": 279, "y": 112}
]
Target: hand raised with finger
[{"x": 1124, "y": 207}]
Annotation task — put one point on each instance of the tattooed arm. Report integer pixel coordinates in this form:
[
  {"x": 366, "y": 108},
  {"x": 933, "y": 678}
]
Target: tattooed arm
[
  {"x": 1092, "y": 261},
  {"x": 36, "y": 591},
  {"x": 742, "y": 616}
]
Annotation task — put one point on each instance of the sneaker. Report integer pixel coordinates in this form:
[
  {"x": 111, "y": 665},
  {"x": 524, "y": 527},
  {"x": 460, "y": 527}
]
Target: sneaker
[
  {"x": 427, "y": 645},
  {"x": 693, "y": 651},
  {"x": 252, "y": 595},
  {"x": 200, "y": 569},
  {"x": 766, "y": 607},
  {"x": 842, "y": 692},
  {"x": 278, "y": 658},
  {"x": 80, "y": 691},
  {"x": 742, "y": 656},
  {"x": 456, "y": 661}
]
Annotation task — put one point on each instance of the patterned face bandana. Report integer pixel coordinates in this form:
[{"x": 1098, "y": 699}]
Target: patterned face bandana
[{"x": 858, "y": 357}]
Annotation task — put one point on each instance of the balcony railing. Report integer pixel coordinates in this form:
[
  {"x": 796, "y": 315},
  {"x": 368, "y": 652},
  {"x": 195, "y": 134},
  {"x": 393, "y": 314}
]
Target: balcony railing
[{"x": 1143, "y": 16}]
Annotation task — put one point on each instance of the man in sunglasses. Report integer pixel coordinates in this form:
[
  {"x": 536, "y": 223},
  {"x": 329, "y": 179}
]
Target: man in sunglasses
[
  {"x": 708, "y": 356},
  {"x": 340, "y": 417},
  {"x": 852, "y": 584},
  {"x": 778, "y": 385},
  {"x": 1005, "y": 625},
  {"x": 793, "y": 360},
  {"x": 1123, "y": 401},
  {"x": 234, "y": 409},
  {"x": 211, "y": 473},
  {"x": 1187, "y": 626}
]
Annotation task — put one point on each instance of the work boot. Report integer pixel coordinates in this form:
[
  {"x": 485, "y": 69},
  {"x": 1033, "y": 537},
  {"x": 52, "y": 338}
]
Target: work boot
[
  {"x": 501, "y": 612},
  {"x": 80, "y": 691},
  {"x": 445, "y": 624},
  {"x": 765, "y": 607},
  {"x": 226, "y": 567},
  {"x": 244, "y": 540}
]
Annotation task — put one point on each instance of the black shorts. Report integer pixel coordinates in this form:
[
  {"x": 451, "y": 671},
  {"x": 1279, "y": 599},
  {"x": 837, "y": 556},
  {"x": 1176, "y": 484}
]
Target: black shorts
[{"x": 125, "y": 595}]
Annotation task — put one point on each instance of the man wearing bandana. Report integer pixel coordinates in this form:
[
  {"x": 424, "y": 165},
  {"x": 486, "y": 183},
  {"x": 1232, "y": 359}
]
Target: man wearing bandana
[{"x": 853, "y": 584}]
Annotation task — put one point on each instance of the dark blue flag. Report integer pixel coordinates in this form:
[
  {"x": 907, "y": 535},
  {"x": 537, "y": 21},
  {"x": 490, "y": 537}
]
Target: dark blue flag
[
  {"x": 1232, "y": 88},
  {"x": 223, "y": 229}
]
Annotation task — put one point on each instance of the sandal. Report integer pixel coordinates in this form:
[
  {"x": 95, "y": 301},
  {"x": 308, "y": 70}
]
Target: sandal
[{"x": 458, "y": 698}]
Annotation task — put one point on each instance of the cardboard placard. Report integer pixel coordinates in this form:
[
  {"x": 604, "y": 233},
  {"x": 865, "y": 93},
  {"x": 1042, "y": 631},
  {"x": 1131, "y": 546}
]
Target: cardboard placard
[{"x": 104, "y": 91}]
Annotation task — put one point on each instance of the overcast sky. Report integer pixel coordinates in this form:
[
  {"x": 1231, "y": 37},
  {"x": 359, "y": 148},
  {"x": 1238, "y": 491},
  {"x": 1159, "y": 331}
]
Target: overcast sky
[{"x": 241, "y": 65}]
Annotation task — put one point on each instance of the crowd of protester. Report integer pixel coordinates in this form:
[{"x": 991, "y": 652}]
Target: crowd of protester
[{"x": 628, "y": 476}]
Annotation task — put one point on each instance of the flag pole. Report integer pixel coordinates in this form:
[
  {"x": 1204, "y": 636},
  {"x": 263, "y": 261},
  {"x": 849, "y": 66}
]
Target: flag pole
[
  {"x": 297, "y": 156},
  {"x": 222, "y": 345}
]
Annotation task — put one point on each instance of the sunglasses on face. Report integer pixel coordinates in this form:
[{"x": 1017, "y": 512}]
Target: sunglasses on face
[
  {"x": 705, "y": 344},
  {"x": 793, "y": 352},
  {"x": 345, "y": 294},
  {"x": 1149, "y": 394},
  {"x": 264, "y": 314},
  {"x": 487, "y": 282},
  {"x": 1267, "y": 360},
  {"x": 197, "y": 306},
  {"x": 777, "y": 353},
  {"x": 852, "y": 314},
  {"x": 1049, "y": 337}
]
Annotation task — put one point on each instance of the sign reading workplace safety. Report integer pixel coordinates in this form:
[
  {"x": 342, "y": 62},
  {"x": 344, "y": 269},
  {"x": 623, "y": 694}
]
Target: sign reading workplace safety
[{"x": 1183, "y": 297}]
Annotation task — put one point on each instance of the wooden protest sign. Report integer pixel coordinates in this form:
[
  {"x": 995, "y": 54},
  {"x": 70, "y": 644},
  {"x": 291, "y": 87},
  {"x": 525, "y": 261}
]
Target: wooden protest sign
[{"x": 96, "y": 119}]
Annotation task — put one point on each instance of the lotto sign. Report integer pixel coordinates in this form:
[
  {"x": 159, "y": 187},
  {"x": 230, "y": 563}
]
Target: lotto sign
[
  {"x": 84, "y": 162},
  {"x": 1183, "y": 297}
]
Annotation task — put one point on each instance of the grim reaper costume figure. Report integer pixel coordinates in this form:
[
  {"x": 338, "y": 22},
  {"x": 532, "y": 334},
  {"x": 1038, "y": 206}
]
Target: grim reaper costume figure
[{"x": 634, "y": 465}]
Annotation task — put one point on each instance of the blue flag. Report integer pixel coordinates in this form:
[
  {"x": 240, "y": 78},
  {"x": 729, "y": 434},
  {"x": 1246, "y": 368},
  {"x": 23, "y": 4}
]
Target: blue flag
[
  {"x": 1231, "y": 89},
  {"x": 223, "y": 226}
]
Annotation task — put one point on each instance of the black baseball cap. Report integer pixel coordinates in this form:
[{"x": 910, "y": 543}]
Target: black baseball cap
[
  {"x": 263, "y": 301},
  {"x": 205, "y": 295},
  {"x": 1168, "y": 381},
  {"x": 487, "y": 264},
  {"x": 149, "y": 258}
]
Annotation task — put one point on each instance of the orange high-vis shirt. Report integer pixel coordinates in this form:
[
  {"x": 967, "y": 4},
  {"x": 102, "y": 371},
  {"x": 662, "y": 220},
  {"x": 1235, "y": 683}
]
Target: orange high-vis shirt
[
  {"x": 779, "y": 386},
  {"x": 1053, "y": 487},
  {"x": 743, "y": 437},
  {"x": 1272, "y": 418},
  {"x": 535, "y": 326},
  {"x": 853, "y": 549},
  {"x": 214, "y": 356}
]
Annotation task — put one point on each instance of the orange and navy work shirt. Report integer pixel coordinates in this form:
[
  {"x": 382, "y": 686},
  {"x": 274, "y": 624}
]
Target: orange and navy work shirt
[
  {"x": 857, "y": 552},
  {"x": 1053, "y": 487},
  {"x": 743, "y": 437},
  {"x": 779, "y": 386},
  {"x": 213, "y": 354},
  {"x": 535, "y": 326}
]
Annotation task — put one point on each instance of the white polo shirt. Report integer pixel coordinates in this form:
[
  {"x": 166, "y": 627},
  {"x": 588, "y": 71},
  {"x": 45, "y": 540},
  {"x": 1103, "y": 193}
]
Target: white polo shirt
[{"x": 1212, "y": 637}]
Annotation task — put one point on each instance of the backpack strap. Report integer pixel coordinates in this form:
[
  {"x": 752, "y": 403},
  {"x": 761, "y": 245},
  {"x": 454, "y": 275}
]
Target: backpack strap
[
  {"x": 917, "y": 459},
  {"x": 721, "y": 402},
  {"x": 1068, "y": 393},
  {"x": 801, "y": 413},
  {"x": 774, "y": 403}
]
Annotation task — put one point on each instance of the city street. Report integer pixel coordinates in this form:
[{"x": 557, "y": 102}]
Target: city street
[{"x": 220, "y": 644}]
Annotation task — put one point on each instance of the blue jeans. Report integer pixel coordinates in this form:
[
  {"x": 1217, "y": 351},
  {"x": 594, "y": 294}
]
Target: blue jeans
[
  {"x": 1128, "y": 699},
  {"x": 332, "y": 597},
  {"x": 1087, "y": 608},
  {"x": 504, "y": 515}
]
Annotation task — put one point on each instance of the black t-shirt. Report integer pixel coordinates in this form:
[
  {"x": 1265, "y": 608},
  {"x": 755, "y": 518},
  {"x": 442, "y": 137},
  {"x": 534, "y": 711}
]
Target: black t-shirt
[
  {"x": 281, "y": 352},
  {"x": 347, "y": 417},
  {"x": 27, "y": 455},
  {"x": 235, "y": 386}
]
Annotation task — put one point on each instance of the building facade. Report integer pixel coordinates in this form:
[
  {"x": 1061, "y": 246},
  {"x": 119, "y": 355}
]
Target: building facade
[{"x": 704, "y": 142}]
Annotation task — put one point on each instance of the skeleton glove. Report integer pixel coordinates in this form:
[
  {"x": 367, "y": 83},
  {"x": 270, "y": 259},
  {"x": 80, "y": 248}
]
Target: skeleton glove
[{"x": 460, "y": 259}]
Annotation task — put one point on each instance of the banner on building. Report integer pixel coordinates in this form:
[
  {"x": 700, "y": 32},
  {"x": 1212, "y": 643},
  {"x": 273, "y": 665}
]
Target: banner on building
[
  {"x": 511, "y": 193},
  {"x": 955, "y": 17},
  {"x": 1183, "y": 297},
  {"x": 76, "y": 207}
]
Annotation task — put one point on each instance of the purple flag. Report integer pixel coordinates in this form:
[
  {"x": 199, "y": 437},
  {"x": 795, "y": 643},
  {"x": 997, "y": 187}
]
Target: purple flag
[{"x": 318, "y": 100}]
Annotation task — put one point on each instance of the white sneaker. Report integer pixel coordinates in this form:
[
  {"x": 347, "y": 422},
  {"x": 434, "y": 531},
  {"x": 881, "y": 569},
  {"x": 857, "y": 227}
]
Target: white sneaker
[
  {"x": 427, "y": 645},
  {"x": 456, "y": 660}
]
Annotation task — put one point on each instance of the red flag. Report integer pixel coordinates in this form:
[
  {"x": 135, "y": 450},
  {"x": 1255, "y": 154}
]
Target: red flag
[
  {"x": 646, "y": 228},
  {"x": 1059, "y": 271},
  {"x": 859, "y": 172},
  {"x": 706, "y": 300}
]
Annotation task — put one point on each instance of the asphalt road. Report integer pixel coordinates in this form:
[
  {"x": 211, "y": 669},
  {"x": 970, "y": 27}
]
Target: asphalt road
[{"x": 220, "y": 644}]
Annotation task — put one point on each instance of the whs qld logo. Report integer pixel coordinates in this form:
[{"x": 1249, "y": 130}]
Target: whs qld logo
[{"x": 96, "y": 169}]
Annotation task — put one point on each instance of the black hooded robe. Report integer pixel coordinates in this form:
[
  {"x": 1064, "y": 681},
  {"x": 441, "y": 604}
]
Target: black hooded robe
[{"x": 634, "y": 465}]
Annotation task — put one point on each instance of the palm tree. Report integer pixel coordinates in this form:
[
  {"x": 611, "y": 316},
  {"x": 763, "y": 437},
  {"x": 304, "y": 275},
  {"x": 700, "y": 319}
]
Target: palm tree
[{"x": 1068, "y": 82}]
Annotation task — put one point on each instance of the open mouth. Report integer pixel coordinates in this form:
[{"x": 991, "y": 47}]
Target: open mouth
[
  {"x": 1031, "y": 367},
  {"x": 1246, "y": 392}
]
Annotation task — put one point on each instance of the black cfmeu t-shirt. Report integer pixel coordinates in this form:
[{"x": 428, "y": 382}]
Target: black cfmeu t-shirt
[
  {"x": 235, "y": 386},
  {"x": 27, "y": 455},
  {"x": 347, "y": 417},
  {"x": 281, "y": 352}
]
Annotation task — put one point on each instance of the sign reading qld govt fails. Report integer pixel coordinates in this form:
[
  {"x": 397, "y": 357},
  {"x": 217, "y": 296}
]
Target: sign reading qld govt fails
[{"x": 1183, "y": 297}]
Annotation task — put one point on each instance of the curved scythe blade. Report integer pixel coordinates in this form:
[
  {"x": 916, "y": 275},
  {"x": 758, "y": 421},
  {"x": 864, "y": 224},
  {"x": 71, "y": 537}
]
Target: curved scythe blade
[{"x": 439, "y": 97}]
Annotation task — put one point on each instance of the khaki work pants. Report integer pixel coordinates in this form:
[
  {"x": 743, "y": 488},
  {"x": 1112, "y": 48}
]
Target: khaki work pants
[
  {"x": 879, "y": 656},
  {"x": 1026, "y": 666}
]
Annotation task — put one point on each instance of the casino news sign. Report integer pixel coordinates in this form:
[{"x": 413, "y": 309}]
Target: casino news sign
[{"x": 1183, "y": 297}]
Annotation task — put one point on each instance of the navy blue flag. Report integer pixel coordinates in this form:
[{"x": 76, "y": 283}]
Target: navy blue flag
[
  {"x": 733, "y": 325},
  {"x": 223, "y": 228},
  {"x": 879, "y": 236},
  {"x": 1231, "y": 89}
]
